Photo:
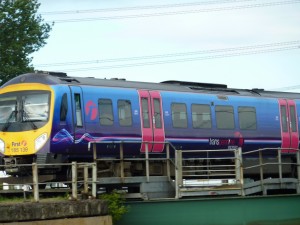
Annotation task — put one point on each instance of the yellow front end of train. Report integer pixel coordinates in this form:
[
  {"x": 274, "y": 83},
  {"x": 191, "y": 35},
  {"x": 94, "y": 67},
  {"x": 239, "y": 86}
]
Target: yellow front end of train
[{"x": 25, "y": 119}]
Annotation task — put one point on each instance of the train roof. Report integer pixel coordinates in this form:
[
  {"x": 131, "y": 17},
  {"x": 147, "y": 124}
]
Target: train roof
[{"x": 53, "y": 78}]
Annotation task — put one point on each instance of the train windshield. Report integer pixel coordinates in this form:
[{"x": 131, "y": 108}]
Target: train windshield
[{"x": 24, "y": 110}]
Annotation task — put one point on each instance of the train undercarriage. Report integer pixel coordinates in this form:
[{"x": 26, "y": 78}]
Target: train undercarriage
[{"x": 157, "y": 176}]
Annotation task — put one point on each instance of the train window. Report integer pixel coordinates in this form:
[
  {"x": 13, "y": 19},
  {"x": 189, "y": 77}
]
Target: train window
[
  {"x": 125, "y": 114},
  {"x": 224, "y": 117},
  {"x": 64, "y": 108},
  {"x": 247, "y": 118},
  {"x": 293, "y": 119},
  {"x": 157, "y": 114},
  {"x": 106, "y": 112},
  {"x": 78, "y": 110},
  {"x": 8, "y": 109},
  {"x": 145, "y": 113},
  {"x": 283, "y": 118},
  {"x": 35, "y": 107},
  {"x": 201, "y": 116},
  {"x": 179, "y": 115}
]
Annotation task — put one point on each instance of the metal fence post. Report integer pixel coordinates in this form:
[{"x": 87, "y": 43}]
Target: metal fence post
[
  {"x": 85, "y": 178},
  {"x": 94, "y": 151},
  {"x": 239, "y": 169},
  {"x": 261, "y": 172},
  {"x": 94, "y": 180},
  {"x": 237, "y": 165},
  {"x": 178, "y": 172},
  {"x": 147, "y": 162},
  {"x": 298, "y": 171},
  {"x": 168, "y": 162},
  {"x": 280, "y": 167},
  {"x": 35, "y": 182},
  {"x": 122, "y": 162},
  {"x": 74, "y": 180}
]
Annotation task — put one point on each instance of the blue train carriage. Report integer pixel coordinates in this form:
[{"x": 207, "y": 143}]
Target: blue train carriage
[{"x": 50, "y": 117}]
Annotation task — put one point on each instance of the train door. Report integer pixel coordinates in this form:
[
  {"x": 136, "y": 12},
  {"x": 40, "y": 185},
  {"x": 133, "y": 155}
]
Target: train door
[
  {"x": 151, "y": 120},
  {"x": 77, "y": 111},
  {"x": 289, "y": 125}
]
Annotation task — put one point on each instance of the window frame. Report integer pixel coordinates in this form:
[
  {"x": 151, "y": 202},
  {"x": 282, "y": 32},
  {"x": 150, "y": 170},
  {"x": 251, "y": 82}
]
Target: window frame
[
  {"x": 186, "y": 115},
  {"x": 131, "y": 115},
  {"x": 218, "y": 117},
  {"x": 210, "y": 116},
  {"x": 240, "y": 117},
  {"x": 111, "y": 112}
]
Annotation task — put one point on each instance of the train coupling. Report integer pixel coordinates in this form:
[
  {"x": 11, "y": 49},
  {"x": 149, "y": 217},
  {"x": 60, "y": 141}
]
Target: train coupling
[{"x": 10, "y": 164}]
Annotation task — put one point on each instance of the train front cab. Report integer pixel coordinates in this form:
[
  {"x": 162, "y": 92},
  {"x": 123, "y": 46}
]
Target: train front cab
[{"x": 25, "y": 123}]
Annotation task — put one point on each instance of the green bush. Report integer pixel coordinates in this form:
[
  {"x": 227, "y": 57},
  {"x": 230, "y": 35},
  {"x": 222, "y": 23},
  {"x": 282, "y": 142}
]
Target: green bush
[{"x": 116, "y": 205}]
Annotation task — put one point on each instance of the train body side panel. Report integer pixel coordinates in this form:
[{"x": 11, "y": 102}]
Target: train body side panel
[
  {"x": 62, "y": 134},
  {"x": 298, "y": 117},
  {"x": 116, "y": 131},
  {"x": 65, "y": 142},
  {"x": 266, "y": 133}
]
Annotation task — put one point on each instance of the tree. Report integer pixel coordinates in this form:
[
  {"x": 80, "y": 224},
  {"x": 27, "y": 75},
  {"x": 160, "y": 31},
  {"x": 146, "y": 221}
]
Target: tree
[{"x": 22, "y": 32}]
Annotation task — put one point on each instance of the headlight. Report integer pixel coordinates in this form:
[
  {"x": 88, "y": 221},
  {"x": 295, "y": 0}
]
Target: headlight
[
  {"x": 40, "y": 141},
  {"x": 2, "y": 146}
]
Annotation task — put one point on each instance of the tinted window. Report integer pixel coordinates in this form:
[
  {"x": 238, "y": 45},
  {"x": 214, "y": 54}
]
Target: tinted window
[
  {"x": 225, "y": 117},
  {"x": 64, "y": 108},
  {"x": 124, "y": 112},
  {"x": 179, "y": 115},
  {"x": 201, "y": 116},
  {"x": 157, "y": 114},
  {"x": 293, "y": 119},
  {"x": 106, "y": 112},
  {"x": 283, "y": 119},
  {"x": 78, "y": 110},
  {"x": 247, "y": 118},
  {"x": 145, "y": 113}
]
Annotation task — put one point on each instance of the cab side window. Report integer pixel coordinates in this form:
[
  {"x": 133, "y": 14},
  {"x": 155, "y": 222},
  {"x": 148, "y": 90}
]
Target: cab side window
[{"x": 64, "y": 107}]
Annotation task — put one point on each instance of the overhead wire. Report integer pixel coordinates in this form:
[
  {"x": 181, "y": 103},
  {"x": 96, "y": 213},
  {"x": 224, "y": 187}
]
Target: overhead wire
[
  {"x": 219, "y": 53},
  {"x": 179, "y": 60},
  {"x": 173, "y": 57},
  {"x": 286, "y": 88},
  {"x": 147, "y": 7},
  {"x": 170, "y": 13}
]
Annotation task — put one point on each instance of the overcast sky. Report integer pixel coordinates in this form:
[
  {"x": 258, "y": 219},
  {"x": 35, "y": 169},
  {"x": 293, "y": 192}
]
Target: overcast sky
[{"x": 241, "y": 43}]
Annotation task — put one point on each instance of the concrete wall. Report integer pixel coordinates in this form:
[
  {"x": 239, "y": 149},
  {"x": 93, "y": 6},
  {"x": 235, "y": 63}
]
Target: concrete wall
[
  {"x": 98, "y": 220},
  {"x": 29, "y": 211}
]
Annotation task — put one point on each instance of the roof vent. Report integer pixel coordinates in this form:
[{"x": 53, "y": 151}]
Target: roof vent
[
  {"x": 122, "y": 79},
  {"x": 56, "y": 74},
  {"x": 194, "y": 84}
]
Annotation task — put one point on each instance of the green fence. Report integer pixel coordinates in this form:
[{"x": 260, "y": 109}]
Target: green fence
[{"x": 275, "y": 210}]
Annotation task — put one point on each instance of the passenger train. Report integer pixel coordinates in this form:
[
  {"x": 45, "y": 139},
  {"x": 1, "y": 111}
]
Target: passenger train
[{"x": 51, "y": 117}]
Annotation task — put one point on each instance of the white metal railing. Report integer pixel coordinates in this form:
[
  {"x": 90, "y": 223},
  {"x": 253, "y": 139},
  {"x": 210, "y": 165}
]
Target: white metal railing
[
  {"x": 178, "y": 171},
  {"x": 74, "y": 178},
  {"x": 207, "y": 174},
  {"x": 144, "y": 156},
  {"x": 279, "y": 152}
]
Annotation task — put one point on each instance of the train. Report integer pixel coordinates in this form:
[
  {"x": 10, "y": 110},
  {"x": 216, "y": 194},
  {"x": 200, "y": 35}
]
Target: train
[{"x": 50, "y": 117}]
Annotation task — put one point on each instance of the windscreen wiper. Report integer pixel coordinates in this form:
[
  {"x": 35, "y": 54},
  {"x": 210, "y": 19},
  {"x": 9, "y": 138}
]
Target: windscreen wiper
[{"x": 27, "y": 119}]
